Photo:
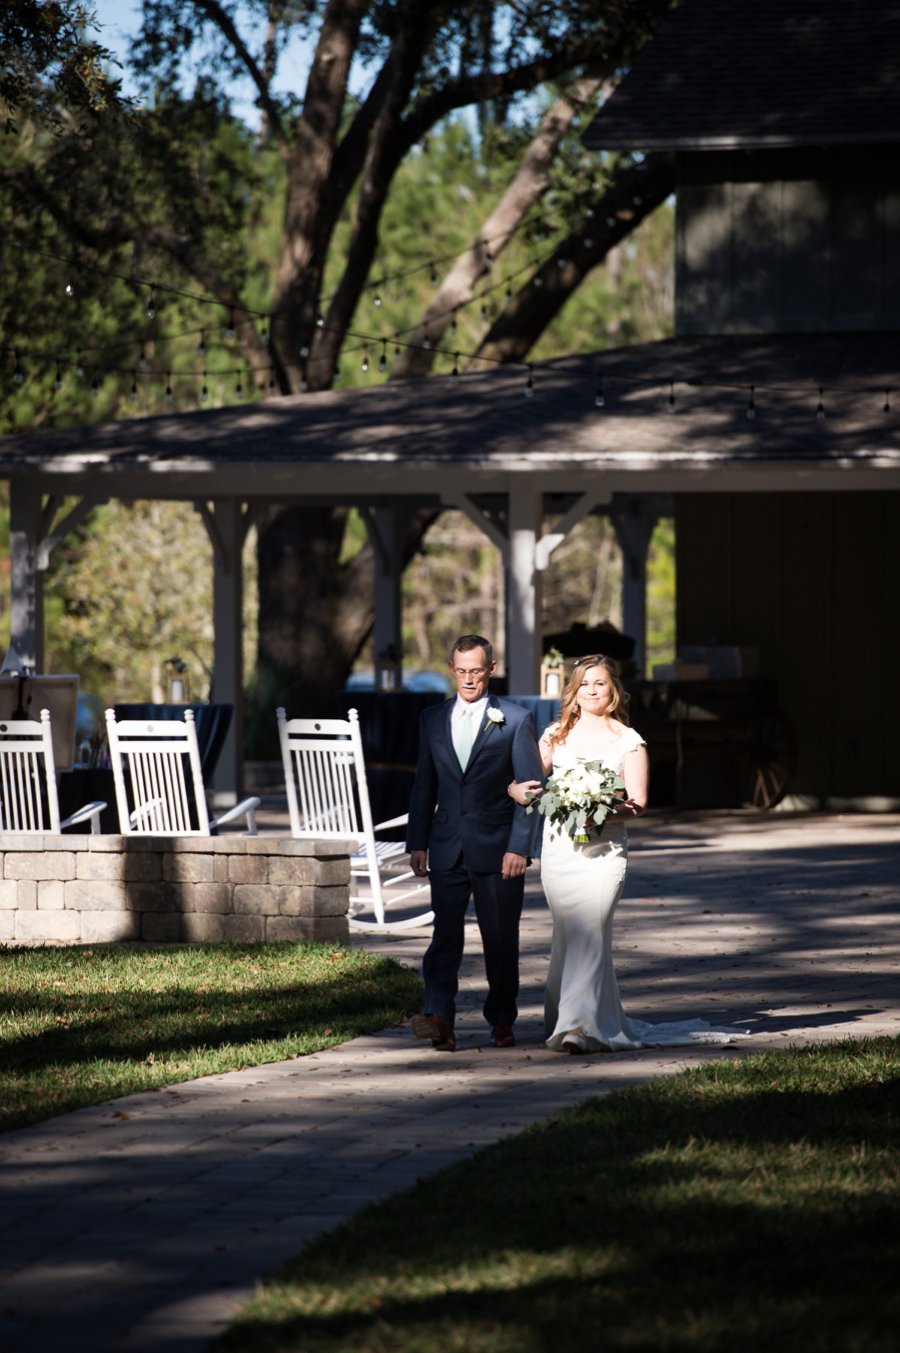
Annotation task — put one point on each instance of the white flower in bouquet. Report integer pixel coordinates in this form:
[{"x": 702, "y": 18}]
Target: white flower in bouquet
[{"x": 579, "y": 797}]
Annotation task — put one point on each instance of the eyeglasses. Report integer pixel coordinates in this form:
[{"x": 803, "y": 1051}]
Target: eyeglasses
[{"x": 469, "y": 671}]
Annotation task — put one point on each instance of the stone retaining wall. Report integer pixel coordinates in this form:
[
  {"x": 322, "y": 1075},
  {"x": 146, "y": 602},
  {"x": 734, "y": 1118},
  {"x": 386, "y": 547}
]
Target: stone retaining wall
[{"x": 95, "y": 889}]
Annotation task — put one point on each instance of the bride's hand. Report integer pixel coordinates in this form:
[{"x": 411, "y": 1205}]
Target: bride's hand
[{"x": 523, "y": 791}]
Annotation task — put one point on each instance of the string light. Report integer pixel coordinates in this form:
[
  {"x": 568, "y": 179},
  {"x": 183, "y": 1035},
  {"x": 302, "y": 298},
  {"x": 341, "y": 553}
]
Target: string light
[
  {"x": 820, "y": 407},
  {"x": 670, "y": 402},
  {"x": 529, "y": 384},
  {"x": 204, "y": 390},
  {"x": 168, "y": 394},
  {"x": 886, "y": 406},
  {"x": 151, "y": 304},
  {"x": 382, "y": 360},
  {"x": 600, "y": 395},
  {"x": 751, "y": 403},
  {"x": 229, "y": 328},
  {"x": 133, "y": 392},
  {"x": 18, "y": 374},
  {"x": 454, "y": 374},
  {"x": 365, "y": 361}
]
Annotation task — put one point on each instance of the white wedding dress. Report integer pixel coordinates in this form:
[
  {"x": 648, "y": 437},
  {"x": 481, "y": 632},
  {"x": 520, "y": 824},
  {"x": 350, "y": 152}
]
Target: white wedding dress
[{"x": 583, "y": 883}]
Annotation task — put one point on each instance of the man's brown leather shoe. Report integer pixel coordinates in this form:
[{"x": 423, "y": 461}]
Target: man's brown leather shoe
[
  {"x": 502, "y": 1037},
  {"x": 438, "y": 1030}
]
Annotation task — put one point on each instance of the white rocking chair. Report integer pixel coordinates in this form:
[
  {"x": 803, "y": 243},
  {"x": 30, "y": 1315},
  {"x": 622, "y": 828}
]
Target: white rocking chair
[
  {"x": 158, "y": 760},
  {"x": 29, "y": 801},
  {"x": 328, "y": 798}
]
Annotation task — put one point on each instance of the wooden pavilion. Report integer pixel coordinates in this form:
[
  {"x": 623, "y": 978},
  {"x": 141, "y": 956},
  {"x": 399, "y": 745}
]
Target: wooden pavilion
[{"x": 788, "y": 309}]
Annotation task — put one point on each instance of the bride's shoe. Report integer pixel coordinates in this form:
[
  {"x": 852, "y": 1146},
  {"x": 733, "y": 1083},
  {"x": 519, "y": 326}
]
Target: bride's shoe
[{"x": 574, "y": 1042}]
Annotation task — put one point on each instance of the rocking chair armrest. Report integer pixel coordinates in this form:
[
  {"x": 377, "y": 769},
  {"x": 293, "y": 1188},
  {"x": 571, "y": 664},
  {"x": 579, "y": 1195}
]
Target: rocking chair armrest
[
  {"x": 246, "y": 808},
  {"x": 400, "y": 821},
  {"x": 144, "y": 810},
  {"x": 90, "y": 810}
]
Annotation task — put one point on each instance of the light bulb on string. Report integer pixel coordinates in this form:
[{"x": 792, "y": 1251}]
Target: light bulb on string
[
  {"x": 454, "y": 323},
  {"x": 70, "y": 290},
  {"x": 95, "y": 385},
  {"x": 670, "y": 402},
  {"x": 454, "y": 374},
  {"x": 168, "y": 396},
  {"x": 377, "y": 301},
  {"x": 433, "y": 276},
  {"x": 382, "y": 360},
  {"x": 239, "y": 388},
  {"x": 304, "y": 350},
  {"x": 18, "y": 374},
  {"x": 529, "y": 384},
  {"x": 820, "y": 407},
  {"x": 320, "y": 320},
  {"x": 484, "y": 310},
  {"x": 751, "y": 403},
  {"x": 304, "y": 379},
  {"x": 201, "y": 346},
  {"x": 886, "y": 406},
  {"x": 600, "y": 395},
  {"x": 142, "y": 359},
  {"x": 488, "y": 261},
  {"x": 133, "y": 392},
  {"x": 426, "y": 340},
  {"x": 365, "y": 359},
  {"x": 588, "y": 242},
  {"x": 270, "y": 385},
  {"x": 204, "y": 390},
  {"x": 57, "y": 380},
  {"x": 229, "y": 328},
  {"x": 509, "y": 291},
  {"x": 537, "y": 280},
  {"x": 79, "y": 367},
  {"x": 151, "y": 304}
]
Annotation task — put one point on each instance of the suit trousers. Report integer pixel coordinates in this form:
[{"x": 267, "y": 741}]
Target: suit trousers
[{"x": 498, "y": 910}]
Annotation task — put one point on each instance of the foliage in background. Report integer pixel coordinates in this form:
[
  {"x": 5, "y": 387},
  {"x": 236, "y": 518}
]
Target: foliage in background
[
  {"x": 661, "y": 595},
  {"x": 183, "y": 192}
]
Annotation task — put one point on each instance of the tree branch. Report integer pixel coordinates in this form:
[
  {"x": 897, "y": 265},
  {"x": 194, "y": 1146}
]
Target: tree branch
[
  {"x": 528, "y": 185},
  {"x": 634, "y": 193},
  {"x": 226, "y": 26}
]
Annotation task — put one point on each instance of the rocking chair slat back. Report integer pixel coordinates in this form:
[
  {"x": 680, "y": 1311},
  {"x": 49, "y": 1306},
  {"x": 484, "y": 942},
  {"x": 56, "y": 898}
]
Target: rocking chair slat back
[{"x": 29, "y": 800}]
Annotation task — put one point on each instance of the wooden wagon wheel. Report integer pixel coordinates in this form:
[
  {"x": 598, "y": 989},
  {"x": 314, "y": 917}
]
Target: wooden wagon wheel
[{"x": 771, "y": 761}]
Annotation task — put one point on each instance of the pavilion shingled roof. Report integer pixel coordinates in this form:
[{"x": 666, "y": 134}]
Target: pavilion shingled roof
[{"x": 749, "y": 73}]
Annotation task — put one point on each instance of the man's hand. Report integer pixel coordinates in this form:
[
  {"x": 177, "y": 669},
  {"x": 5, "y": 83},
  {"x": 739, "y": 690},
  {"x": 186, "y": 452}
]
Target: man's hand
[
  {"x": 418, "y": 863},
  {"x": 513, "y": 865}
]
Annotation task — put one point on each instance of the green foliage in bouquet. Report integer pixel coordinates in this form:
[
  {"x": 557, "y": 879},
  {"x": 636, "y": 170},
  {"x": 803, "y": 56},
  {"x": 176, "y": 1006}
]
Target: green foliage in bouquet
[{"x": 579, "y": 797}]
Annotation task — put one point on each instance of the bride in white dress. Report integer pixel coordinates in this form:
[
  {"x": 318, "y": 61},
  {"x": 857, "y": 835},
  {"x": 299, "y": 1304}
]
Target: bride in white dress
[{"x": 583, "y": 883}]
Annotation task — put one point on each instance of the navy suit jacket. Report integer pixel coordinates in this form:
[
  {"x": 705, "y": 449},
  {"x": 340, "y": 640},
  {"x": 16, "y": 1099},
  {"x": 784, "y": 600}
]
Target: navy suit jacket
[{"x": 454, "y": 812}]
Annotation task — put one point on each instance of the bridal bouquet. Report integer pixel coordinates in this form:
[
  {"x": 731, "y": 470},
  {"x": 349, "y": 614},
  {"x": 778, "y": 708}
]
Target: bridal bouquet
[{"x": 578, "y": 797}]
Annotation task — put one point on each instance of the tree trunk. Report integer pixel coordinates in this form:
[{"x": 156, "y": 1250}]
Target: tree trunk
[
  {"x": 633, "y": 194},
  {"x": 528, "y": 185}
]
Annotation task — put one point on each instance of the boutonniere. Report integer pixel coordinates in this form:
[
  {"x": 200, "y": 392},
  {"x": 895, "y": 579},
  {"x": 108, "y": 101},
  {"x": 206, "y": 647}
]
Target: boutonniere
[{"x": 494, "y": 716}]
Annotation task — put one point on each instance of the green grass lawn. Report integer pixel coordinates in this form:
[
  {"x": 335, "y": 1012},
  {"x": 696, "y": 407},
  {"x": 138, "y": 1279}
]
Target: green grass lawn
[
  {"x": 745, "y": 1205},
  {"x": 80, "y": 1026}
]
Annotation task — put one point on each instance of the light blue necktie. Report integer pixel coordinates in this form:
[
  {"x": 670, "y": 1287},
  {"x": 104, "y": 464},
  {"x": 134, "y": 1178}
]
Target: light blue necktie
[{"x": 465, "y": 737}]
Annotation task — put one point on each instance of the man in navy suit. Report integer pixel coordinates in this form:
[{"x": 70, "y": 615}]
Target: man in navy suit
[{"x": 474, "y": 841}]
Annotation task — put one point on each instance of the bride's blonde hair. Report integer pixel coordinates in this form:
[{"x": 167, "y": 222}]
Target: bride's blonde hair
[{"x": 569, "y": 708}]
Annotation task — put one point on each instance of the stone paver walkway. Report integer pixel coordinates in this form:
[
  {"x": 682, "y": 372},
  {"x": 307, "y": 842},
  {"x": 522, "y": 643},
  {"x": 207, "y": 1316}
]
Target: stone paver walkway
[{"x": 143, "y": 1225}]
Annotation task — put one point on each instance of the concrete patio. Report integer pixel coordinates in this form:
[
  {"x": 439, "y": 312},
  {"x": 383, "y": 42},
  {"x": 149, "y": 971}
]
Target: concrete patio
[{"x": 145, "y": 1223}]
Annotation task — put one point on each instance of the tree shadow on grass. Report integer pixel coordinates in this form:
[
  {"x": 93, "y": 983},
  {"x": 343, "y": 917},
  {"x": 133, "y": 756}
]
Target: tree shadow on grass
[{"x": 675, "y": 1216}]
